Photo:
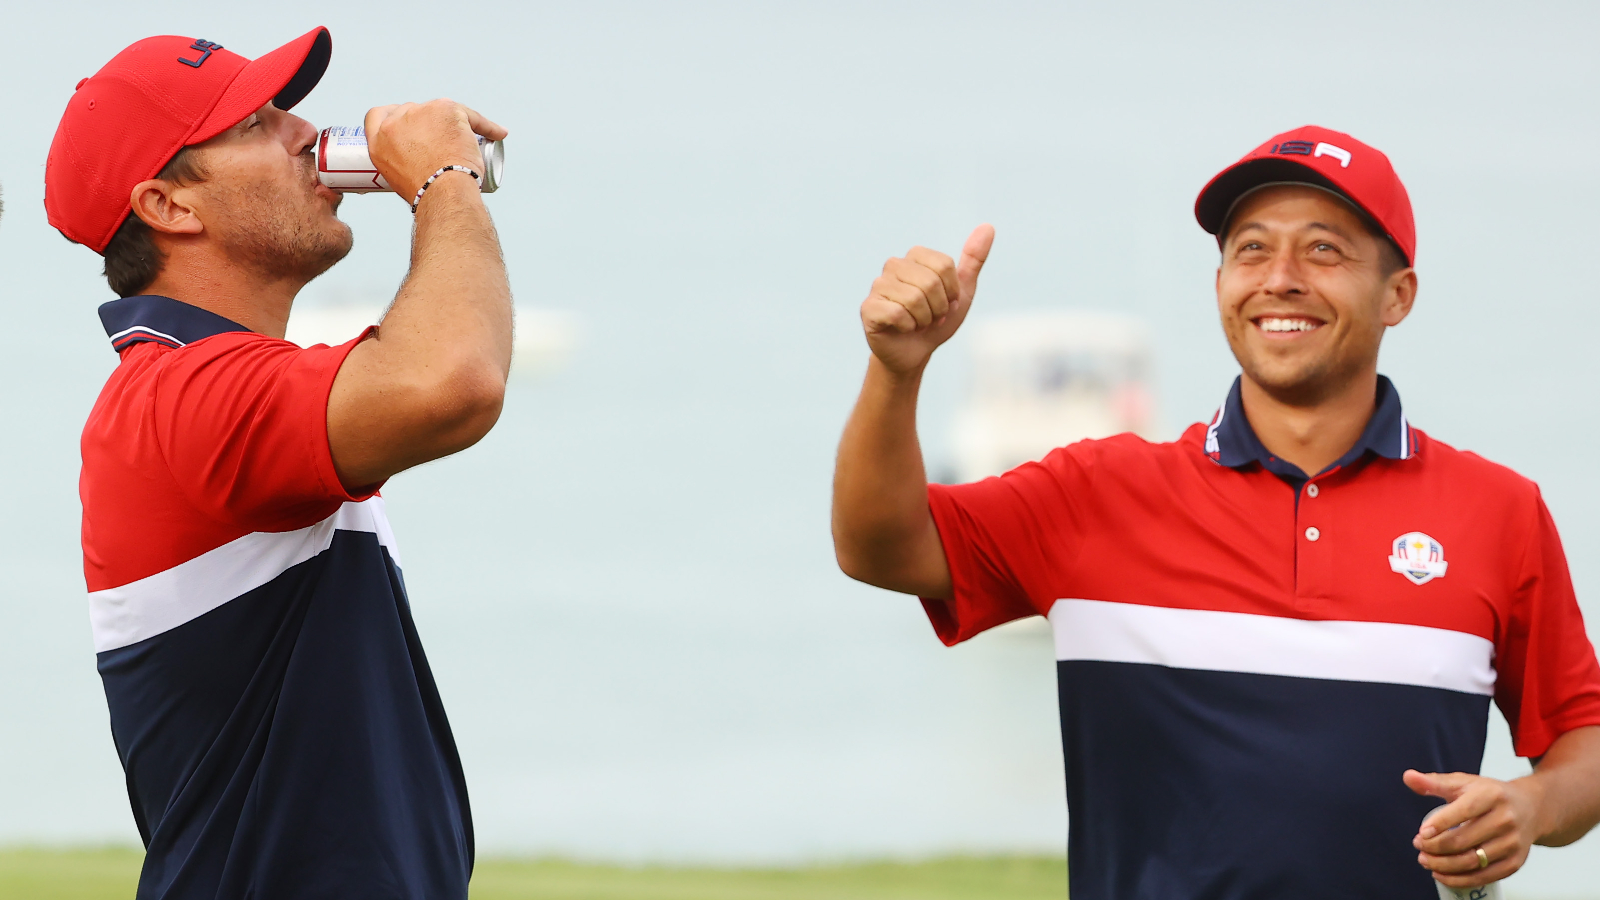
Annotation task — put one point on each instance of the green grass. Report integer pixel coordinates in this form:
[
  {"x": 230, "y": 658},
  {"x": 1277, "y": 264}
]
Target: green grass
[
  {"x": 110, "y": 874},
  {"x": 100, "y": 874}
]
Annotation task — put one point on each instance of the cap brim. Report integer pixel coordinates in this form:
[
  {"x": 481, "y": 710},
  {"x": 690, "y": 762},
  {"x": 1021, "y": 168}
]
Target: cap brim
[
  {"x": 1216, "y": 200},
  {"x": 283, "y": 77}
]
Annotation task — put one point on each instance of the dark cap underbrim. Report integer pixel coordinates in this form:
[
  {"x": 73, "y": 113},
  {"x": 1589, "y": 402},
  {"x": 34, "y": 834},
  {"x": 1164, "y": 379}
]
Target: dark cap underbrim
[
  {"x": 310, "y": 72},
  {"x": 1218, "y": 198}
]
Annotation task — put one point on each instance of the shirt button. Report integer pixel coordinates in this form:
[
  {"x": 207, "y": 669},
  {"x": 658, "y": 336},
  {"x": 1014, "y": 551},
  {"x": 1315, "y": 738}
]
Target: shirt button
[
  {"x": 1311, "y": 490},
  {"x": 1312, "y": 533}
]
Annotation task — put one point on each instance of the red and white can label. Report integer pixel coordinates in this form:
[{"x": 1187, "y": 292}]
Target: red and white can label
[{"x": 344, "y": 165}]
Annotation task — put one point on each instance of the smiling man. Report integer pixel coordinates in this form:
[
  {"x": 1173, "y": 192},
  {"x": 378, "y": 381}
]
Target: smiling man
[
  {"x": 1278, "y": 636},
  {"x": 270, "y": 700}
]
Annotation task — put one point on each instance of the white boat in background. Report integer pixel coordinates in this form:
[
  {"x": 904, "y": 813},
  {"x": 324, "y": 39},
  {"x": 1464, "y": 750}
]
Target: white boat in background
[
  {"x": 544, "y": 337},
  {"x": 1041, "y": 380}
]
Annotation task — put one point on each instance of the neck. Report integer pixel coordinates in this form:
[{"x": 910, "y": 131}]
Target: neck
[
  {"x": 258, "y": 302},
  {"x": 1314, "y": 436}
]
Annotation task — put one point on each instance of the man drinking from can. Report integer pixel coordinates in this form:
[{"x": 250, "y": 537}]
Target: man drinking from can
[{"x": 270, "y": 700}]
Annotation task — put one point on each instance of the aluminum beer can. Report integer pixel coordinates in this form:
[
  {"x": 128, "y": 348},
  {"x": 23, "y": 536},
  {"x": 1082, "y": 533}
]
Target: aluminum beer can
[{"x": 344, "y": 165}]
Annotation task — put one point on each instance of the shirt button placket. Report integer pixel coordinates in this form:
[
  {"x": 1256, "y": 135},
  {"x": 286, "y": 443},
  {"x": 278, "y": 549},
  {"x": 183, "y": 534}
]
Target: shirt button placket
[{"x": 1312, "y": 562}]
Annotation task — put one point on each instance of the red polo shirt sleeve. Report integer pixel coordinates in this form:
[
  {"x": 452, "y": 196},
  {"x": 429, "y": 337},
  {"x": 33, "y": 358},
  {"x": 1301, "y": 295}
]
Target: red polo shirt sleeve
[
  {"x": 1547, "y": 679},
  {"x": 1005, "y": 539},
  {"x": 242, "y": 422}
]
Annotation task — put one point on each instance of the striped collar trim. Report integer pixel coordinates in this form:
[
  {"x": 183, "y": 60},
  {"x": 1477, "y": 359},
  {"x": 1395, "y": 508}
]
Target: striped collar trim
[
  {"x": 1231, "y": 442},
  {"x": 148, "y": 318}
]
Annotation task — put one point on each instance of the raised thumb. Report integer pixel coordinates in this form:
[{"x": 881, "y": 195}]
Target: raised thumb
[{"x": 973, "y": 255}]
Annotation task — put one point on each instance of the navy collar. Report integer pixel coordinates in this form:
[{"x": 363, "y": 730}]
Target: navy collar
[
  {"x": 160, "y": 320},
  {"x": 1230, "y": 441}
]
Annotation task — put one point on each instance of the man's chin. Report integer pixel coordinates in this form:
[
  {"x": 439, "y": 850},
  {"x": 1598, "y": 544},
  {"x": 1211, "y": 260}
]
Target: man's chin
[
  {"x": 337, "y": 248},
  {"x": 306, "y": 260},
  {"x": 1302, "y": 386}
]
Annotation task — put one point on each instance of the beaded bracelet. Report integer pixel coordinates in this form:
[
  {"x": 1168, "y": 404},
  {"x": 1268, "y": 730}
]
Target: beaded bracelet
[{"x": 435, "y": 176}]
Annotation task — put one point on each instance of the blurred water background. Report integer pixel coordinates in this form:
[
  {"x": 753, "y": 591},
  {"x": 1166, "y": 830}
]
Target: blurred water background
[{"x": 627, "y": 591}]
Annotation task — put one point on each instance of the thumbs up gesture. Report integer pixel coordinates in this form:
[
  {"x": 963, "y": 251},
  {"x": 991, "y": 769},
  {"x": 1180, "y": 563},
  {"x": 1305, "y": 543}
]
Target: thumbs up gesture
[{"x": 920, "y": 300}]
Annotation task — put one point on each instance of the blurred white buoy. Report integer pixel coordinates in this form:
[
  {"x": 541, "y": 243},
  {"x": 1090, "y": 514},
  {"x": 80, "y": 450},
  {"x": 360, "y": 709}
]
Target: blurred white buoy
[{"x": 544, "y": 337}]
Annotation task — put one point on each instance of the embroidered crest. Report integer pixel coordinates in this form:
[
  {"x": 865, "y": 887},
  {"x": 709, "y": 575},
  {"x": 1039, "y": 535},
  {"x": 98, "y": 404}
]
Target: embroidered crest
[{"x": 1418, "y": 557}]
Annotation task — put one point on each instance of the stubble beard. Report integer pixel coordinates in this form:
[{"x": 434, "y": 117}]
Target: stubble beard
[
  {"x": 281, "y": 231},
  {"x": 1311, "y": 383}
]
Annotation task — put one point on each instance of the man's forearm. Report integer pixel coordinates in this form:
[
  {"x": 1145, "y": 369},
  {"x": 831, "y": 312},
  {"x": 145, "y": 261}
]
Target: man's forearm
[
  {"x": 456, "y": 299},
  {"x": 1568, "y": 779},
  {"x": 433, "y": 380},
  {"x": 883, "y": 532}
]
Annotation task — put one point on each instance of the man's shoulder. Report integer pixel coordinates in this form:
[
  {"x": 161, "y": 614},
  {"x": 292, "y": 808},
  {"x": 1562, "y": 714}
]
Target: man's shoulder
[
  {"x": 146, "y": 367},
  {"x": 1487, "y": 478},
  {"x": 157, "y": 355},
  {"x": 148, "y": 356},
  {"x": 1133, "y": 449}
]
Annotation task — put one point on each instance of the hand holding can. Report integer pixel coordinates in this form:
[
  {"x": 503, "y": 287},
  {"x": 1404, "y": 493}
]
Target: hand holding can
[
  {"x": 345, "y": 165},
  {"x": 402, "y": 145},
  {"x": 1490, "y": 891}
]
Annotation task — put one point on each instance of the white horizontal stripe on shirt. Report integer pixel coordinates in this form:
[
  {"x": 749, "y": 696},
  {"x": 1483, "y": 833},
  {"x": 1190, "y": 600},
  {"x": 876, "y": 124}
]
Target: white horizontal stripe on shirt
[
  {"x": 142, "y": 609},
  {"x": 1379, "y": 652}
]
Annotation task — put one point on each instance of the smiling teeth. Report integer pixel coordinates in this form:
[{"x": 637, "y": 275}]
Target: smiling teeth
[{"x": 1287, "y": 325}]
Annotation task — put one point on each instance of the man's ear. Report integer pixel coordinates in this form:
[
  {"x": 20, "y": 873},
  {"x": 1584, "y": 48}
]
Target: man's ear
[
  {"x": 1401, "y": 293},
  {"x": 164, "y": 207}
]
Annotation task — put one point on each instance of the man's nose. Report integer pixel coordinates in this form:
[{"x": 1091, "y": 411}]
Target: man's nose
[
  {"x": 302, "y": 135},
  {"x": 1285, "y": 276}
]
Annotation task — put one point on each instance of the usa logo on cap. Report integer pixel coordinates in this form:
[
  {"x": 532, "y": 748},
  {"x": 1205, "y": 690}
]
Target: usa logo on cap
[{"x": 1418, "y": 557}]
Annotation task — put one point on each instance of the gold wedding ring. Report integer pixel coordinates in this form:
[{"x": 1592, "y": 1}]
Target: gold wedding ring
[{"x": 1483, "y": 858}]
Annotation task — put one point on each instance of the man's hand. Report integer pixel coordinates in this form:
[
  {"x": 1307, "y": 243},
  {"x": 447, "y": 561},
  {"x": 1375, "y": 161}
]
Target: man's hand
[
  {"x": 408, "y": 142},
  {"x": 1554, "y": 806},
  {"x": 1501, "y": 817},
  {"x": 920, "y": 300}
]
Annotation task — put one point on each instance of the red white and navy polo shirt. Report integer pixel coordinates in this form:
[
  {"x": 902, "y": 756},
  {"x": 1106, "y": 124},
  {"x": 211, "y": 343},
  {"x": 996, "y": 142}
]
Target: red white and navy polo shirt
[
  {"x": 275, "y": 715},
  {"x": 1248, "y": 659}
]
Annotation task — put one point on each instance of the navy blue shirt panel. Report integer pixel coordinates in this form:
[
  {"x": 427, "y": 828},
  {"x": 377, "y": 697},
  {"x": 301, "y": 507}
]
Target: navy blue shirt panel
[
  {"x": 292, "y": 743},
  {"x": 1164, "y": 793}
]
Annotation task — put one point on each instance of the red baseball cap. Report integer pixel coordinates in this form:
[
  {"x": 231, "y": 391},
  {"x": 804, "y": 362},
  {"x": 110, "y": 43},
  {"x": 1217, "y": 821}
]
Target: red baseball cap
[
  {"x": 162, "y": 94},
  {"x": 1327, "y": 159}
]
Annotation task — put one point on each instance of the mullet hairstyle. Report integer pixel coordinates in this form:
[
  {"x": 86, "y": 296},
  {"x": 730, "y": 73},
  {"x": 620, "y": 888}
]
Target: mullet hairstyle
[{"x": 133, "y": 259}]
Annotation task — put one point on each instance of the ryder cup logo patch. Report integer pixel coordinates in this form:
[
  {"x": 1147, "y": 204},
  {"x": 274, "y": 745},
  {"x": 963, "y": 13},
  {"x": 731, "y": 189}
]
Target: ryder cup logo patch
[{"x": 1418, "y": 557}]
